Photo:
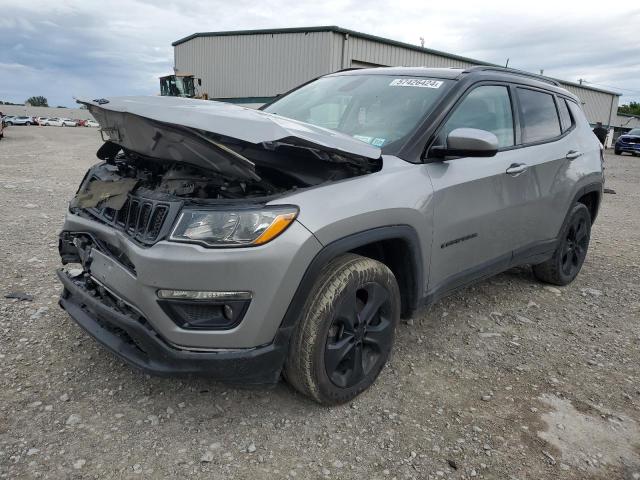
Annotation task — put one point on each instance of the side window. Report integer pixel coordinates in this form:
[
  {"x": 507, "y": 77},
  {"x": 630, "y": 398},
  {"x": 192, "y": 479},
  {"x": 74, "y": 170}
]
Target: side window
[
  {"x": 578, "y": 114},
  {"x": 539, "y": 116},
  {"x": 486, "y": 108},
  {"x": 565, "y": 116}
]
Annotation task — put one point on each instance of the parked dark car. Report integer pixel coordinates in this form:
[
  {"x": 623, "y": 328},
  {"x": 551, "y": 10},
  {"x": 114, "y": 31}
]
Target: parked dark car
[{"x": 629, "y": 142}]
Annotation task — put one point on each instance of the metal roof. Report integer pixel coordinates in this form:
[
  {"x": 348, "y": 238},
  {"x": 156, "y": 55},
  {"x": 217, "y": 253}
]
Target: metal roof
[{"x": 375, "y": 38}]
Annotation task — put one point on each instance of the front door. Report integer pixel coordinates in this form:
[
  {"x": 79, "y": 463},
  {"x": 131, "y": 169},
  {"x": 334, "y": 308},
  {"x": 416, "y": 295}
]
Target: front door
[{"x": 476, "y": 203}]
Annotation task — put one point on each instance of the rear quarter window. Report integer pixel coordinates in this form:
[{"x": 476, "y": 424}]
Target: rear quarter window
[
  {"x": 578, "y": 114},
  {"x": 540, "y": 120},
  {"x": 565, "y": 116}
]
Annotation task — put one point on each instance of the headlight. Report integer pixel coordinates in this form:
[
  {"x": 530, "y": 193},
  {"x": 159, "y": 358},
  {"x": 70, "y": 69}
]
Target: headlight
[{"x": 233, "y": 228}]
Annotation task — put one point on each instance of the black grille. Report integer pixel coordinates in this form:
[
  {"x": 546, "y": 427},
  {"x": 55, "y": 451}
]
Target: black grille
[
  {"x": 144, "y": 219},
  {"x": 157, "y": 219}
]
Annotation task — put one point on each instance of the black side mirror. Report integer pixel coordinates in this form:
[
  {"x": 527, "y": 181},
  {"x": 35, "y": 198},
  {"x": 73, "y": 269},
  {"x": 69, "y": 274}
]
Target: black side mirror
[
  {"x": 199, "y": 82},
  {"x": 468, "y": 142}
]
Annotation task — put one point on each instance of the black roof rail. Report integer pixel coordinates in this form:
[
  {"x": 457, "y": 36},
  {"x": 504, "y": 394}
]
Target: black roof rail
[{"x": 514, "y": 71}]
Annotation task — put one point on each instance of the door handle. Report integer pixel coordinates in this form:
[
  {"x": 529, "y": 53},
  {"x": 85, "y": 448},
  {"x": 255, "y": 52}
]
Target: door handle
[
  {"x": 573, "y": 154},
  {"x": 516, "y": 169}
]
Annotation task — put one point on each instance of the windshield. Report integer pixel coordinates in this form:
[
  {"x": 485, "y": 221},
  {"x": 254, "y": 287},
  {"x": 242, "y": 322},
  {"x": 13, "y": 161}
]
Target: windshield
[
  {"x": 377, "y": 109},
  {"x": 173, "y": 86},
  {"x": 635, "y": 131}
]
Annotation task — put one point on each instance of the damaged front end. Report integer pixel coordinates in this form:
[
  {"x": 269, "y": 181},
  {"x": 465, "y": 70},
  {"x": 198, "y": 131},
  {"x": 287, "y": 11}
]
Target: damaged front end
[{"x": 153, "y": 169}]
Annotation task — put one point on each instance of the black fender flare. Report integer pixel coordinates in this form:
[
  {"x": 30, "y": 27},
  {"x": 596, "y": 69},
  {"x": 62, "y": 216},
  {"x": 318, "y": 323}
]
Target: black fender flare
[
  {"x": 582, "y": 191},
  {"x": 346, "y": 244}
]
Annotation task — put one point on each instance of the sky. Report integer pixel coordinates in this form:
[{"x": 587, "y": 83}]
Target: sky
[{"x": 66, "y": 48}]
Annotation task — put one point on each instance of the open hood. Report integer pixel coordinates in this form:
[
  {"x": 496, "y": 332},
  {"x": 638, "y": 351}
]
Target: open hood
[{"x": 173, "y": 128}]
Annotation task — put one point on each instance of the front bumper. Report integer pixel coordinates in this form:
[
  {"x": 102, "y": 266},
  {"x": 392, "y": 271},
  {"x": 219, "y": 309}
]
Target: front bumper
[
  {"x": 138, "y": 344},
  {"x": 271, "y": 273},
  {"x": 628, "y": 147}
]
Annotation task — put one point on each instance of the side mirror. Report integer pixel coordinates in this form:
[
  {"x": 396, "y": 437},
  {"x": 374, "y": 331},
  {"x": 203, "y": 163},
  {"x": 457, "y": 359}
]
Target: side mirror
[
  {"x": 468, "y": 142},
  {"x": 199, "y": 82}
]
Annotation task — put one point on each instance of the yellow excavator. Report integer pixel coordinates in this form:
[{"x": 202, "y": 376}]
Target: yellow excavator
[{"x": 181, "y": 85}]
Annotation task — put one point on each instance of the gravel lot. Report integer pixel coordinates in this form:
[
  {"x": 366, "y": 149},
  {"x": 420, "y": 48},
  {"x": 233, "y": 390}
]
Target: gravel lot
[{"x": 507, "y": 379}]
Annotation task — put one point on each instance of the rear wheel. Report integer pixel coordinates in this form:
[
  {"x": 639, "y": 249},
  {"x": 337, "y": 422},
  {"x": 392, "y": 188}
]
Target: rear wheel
[
  {"x": 567, "y": 260},
  {"x": 346, "y": 332}
]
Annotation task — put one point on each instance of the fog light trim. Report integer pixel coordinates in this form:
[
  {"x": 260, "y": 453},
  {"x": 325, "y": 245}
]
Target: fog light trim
[{"x": 199, "y": 295}]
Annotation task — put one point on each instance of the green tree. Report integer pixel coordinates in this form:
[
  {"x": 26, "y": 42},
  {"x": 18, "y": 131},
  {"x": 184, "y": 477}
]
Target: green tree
[
  {"x": 38, "y": 101},
  {"x": 632, "y": 109}
]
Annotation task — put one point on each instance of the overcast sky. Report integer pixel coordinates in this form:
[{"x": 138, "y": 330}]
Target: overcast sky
[{"x": 65, "y": 48}]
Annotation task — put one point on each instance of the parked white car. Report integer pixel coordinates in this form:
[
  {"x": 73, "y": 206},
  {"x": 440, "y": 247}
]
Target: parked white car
[
  {"x": 92, "y": 123},
  {"x": 41, "y": 120},
  {"x": 53, "y": 122},
  {"x": 59, "y": 122},
  {"x": 19, "y": 121}
]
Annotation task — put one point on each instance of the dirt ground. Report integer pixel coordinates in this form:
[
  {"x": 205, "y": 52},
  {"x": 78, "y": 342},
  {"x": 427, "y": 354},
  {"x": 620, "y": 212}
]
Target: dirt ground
[{"x": 508, "y": 379}]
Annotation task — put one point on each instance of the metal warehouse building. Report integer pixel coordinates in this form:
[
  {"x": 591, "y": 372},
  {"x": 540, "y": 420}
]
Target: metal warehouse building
[{"x": 253, "y": 66}]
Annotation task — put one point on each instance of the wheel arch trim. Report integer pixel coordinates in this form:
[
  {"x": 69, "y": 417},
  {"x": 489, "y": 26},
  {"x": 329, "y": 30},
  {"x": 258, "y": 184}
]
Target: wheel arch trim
[{"x": 343, "y": 245}]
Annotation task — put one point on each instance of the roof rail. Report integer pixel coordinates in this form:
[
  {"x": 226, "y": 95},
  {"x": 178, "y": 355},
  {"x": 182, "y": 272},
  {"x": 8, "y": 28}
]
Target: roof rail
[{"x": 513, "y": 71}]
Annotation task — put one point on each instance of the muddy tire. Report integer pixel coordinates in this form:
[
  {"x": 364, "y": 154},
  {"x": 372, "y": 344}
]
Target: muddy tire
[
  {"x": 346, "y": 330},
  {"x": 567, "y": 260}
]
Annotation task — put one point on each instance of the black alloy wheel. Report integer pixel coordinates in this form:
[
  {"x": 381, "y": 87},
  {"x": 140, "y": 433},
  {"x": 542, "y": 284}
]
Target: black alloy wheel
[
  {"x": 344, "y": 336},
  {"x": 360, "y": 335},
  {"x": 574, "y": 247},
  {"x": 571, "y": 249}
]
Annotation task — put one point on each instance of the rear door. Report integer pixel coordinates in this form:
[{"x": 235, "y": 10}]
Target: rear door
[
  {"x": 549, "y": 146},
  {"x": 478, "y": 201}
]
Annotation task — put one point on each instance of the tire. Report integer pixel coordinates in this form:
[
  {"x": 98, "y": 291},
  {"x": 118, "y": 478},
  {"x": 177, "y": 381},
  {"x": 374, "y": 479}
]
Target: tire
[
  {"x": 617, "y": 152},
  {"x": 9, "y": 123},
  {"x": 567, "y": 260},
  {"x": 345, "y": 334}
]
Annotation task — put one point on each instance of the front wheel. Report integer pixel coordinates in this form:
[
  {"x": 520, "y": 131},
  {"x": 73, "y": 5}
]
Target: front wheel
[
  {"x": 617, "y": 152},
  {"x": 346, "y": 332},
  {"x": 567, "y": 260}
]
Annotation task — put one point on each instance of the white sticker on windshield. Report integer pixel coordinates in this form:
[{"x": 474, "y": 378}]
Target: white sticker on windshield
[
  {"x": 363, "y": 138},
  {"x": 416, "y": 82}
]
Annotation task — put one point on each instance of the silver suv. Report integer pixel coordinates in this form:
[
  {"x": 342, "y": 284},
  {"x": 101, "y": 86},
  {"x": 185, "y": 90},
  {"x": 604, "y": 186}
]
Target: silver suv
[{"x": 246, "y": 245}]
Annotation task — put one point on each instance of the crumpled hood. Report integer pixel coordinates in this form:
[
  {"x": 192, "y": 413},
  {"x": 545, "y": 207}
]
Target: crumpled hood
[{"x": 224, "y": 119}]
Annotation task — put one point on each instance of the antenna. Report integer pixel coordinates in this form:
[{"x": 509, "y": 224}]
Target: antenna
[{"x": 506, "y": 64}]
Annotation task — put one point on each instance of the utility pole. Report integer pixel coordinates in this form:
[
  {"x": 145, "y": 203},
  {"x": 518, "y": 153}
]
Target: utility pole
[
  {"x": 422, "y": 42},
  {"x": 506, "y": 64}
]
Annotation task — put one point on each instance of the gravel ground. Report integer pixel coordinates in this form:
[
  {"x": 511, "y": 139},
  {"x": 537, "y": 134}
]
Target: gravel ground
[{"x": 506, "y": 379}]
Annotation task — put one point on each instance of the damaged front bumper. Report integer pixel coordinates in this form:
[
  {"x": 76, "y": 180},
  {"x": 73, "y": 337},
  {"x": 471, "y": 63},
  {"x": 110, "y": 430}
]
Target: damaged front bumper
[{"x": 132, "y": 338}]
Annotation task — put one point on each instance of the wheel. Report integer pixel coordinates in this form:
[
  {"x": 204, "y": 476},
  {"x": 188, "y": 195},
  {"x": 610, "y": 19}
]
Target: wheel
[
  {"x": 9, "y": 123},
  {"x": 617, "y": 152},
  {"x": 346, "y": 331},
  {"x": 567, "y": 260}
]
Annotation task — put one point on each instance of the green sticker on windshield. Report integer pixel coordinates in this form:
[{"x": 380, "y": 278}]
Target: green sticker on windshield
[{"x": 378, "y": 142}]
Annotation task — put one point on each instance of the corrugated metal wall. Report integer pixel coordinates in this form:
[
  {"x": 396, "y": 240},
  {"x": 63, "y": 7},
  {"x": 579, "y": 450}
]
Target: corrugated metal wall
[
  {"x": 368, "y": 51},
  {"x": 254, "y": 65},
  {"x": 597, "y": 106},
  {"x": 264, "y": 65}
]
